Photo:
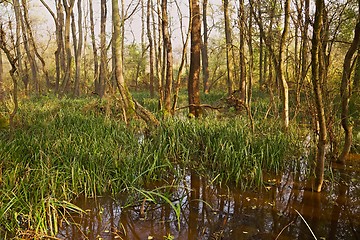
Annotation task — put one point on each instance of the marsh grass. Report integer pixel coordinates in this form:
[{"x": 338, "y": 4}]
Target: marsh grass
[{"x": 62, "y": 149}]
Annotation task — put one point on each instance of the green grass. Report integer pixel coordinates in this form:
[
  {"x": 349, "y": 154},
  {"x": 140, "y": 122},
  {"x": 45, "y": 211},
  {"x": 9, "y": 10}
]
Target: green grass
[{"x": 61, "y": 149}]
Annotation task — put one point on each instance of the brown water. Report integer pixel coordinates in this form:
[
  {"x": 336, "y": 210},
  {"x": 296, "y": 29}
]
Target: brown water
[{"x": 220, "y": 212}]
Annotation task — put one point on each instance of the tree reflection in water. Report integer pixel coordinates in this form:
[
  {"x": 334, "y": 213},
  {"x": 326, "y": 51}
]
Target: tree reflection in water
[{"x": 223, "y": 212}]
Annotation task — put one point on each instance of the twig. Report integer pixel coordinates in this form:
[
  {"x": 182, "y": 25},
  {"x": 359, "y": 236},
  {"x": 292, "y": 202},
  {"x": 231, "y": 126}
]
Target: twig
[
  {"x": 284, "y": 229},
  {"x": 306, "y": 223}
]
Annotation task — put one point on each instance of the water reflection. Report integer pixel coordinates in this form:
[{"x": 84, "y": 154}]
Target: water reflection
[{"x": 221, "y": 212}]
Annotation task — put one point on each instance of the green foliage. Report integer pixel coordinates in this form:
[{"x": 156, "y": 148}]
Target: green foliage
[{"x": 62, "y": 149}]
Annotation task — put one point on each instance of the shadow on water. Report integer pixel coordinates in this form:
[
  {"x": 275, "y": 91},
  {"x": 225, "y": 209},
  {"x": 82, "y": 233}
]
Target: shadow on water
[{"x": 211, "y": 211}]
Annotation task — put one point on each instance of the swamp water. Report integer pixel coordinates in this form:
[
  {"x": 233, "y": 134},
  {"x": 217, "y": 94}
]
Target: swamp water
[{"x": 284, "y": 208}]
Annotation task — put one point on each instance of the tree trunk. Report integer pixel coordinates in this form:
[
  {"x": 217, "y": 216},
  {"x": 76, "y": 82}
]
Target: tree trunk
[
  {"x": 169, "y": 57},
  {"x": 356, "y": 85},
  {"x": 204, "y": 50},
  {"x": 194, "y": 75},
  {"x": 78, "y": 52},
  {"x": 229, "y": 56},
  {"x": 68, "y": 66},
  {"x": 2, "y": 93},
  {"x": 126, "y": 99},
  {"x": 103, "y": 50},
  {"x": 94, "y": 48},
  {"x": 280, "y": 72},
  {"x": 304, "y": 51},
  {"x": 345, "y": 92},
  {"x": 20, "y": 68},
  {"x": 317, "y": 75},
  {"x": 242, "y": 63},
  {"x": 151, "y": 49},
  {"x": 29, "y": 49},
  {"x": 14, "y": 61},
  {"x": 182, "y": 63},
  {"x": 32, "y": 41}
]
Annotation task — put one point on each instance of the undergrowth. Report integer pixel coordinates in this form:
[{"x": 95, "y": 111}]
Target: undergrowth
[{"x": 62, "y": 149}]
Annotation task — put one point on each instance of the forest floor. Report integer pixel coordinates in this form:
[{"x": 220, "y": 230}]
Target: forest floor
[{"x": 64, "y": 152}]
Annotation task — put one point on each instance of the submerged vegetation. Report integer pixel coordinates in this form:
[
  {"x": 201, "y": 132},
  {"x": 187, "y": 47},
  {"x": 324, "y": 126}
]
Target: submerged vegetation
[{"x": 63, "y": 149}]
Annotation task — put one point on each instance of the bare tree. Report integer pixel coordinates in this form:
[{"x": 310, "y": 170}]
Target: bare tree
[
  {"x": 13, "y": 59},
  {"x": 103, "y": 50},
  {"x": 346, "y": 92},
  {"x": 229, "y": 48},
  {"x": 185, "y": 40},
  {"x": 204, "y": 49},
  {"x": 29, "y": 46},
  {"x": 94, "y": 48},
  {"x": 317, "y": 77},
  {"x": 242, "y": 83},
  {"x": 168, "y": 56},
  {"x": 68, "y": 6},
  {"x": 151, "y": 47},
  {"x": 78, "y": 50},
  {"x": 195, "y": 53},
  {"x": 1, "y": 78},
  {"x": 126, "y": 100}
]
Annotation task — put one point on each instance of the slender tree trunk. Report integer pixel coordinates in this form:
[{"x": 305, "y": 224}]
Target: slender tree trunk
[
  {"x": 345, "y": 92},
  {"x": 126, "y": 99},
  {"x": 157, "y": 35},
  {"x": 182, "y": 62},
  {"x": 103, "y": 50},
  {"x": 204, "y": 50},
  {"x": 169, "y": 57},
  {"x": 94, "y": 48},
  {"x": 304, "y": 51},
  {"x": 356, "y": 85},
  {"x": 261, "y": 59},
  {"x": 79, "y": 51},
  {"x": 29, "y": 48},
  {"x": 35, "y": 49},
  {"x": 194, "y": 76},
  {"x": 229, "y": 56},
  {"x": 20, "y": 68},
  {"x": 317, "y": 75},
  {"x": 68, "y": 67},
  {"x": 151, "y": 48},
  {"x": 75, "y": 46},
  {"x": 60, "y": 51},
  {"x": 280, "y": 72},
  {"x": 242, "y": 83},
  {"x": 14, "y": 62},
  {"x": 2, "y": 93}
]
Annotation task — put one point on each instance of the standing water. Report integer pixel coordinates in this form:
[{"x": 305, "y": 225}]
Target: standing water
[{"x": 284, "y": 208}]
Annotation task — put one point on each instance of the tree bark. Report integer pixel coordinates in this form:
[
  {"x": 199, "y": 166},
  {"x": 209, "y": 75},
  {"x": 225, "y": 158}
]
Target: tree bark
[
  {"x": 78, "y": 52},
  {"x": 19, "y": 68},
  {"x": 126, "y": 99},
  {"x": 14, "y": 63},
  {"x": 345, "y": 92},
  {"x": 2, "y": 93},
  {"x": 229, "y": 56},
  {"x": 151, "y": 48},
  {"x": 317, "y": 75},
  {"x": 68, "y": 66},
  {"x": 204, "y": 50},
  {"x": 94, "y": 48},
  {"x": 182, "y": 62},
  {"x": 280, "y": 72},
  {"x": 242, "y": 63},
  {"x": 103, "y": 50},
  {"x": 194, "y": 75},
  {"x": 28, "y": 46},
  {"x": 168, "y": 57}
]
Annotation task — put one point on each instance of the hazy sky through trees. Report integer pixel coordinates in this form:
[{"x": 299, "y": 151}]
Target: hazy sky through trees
[{"x": 44, "y": 26}]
